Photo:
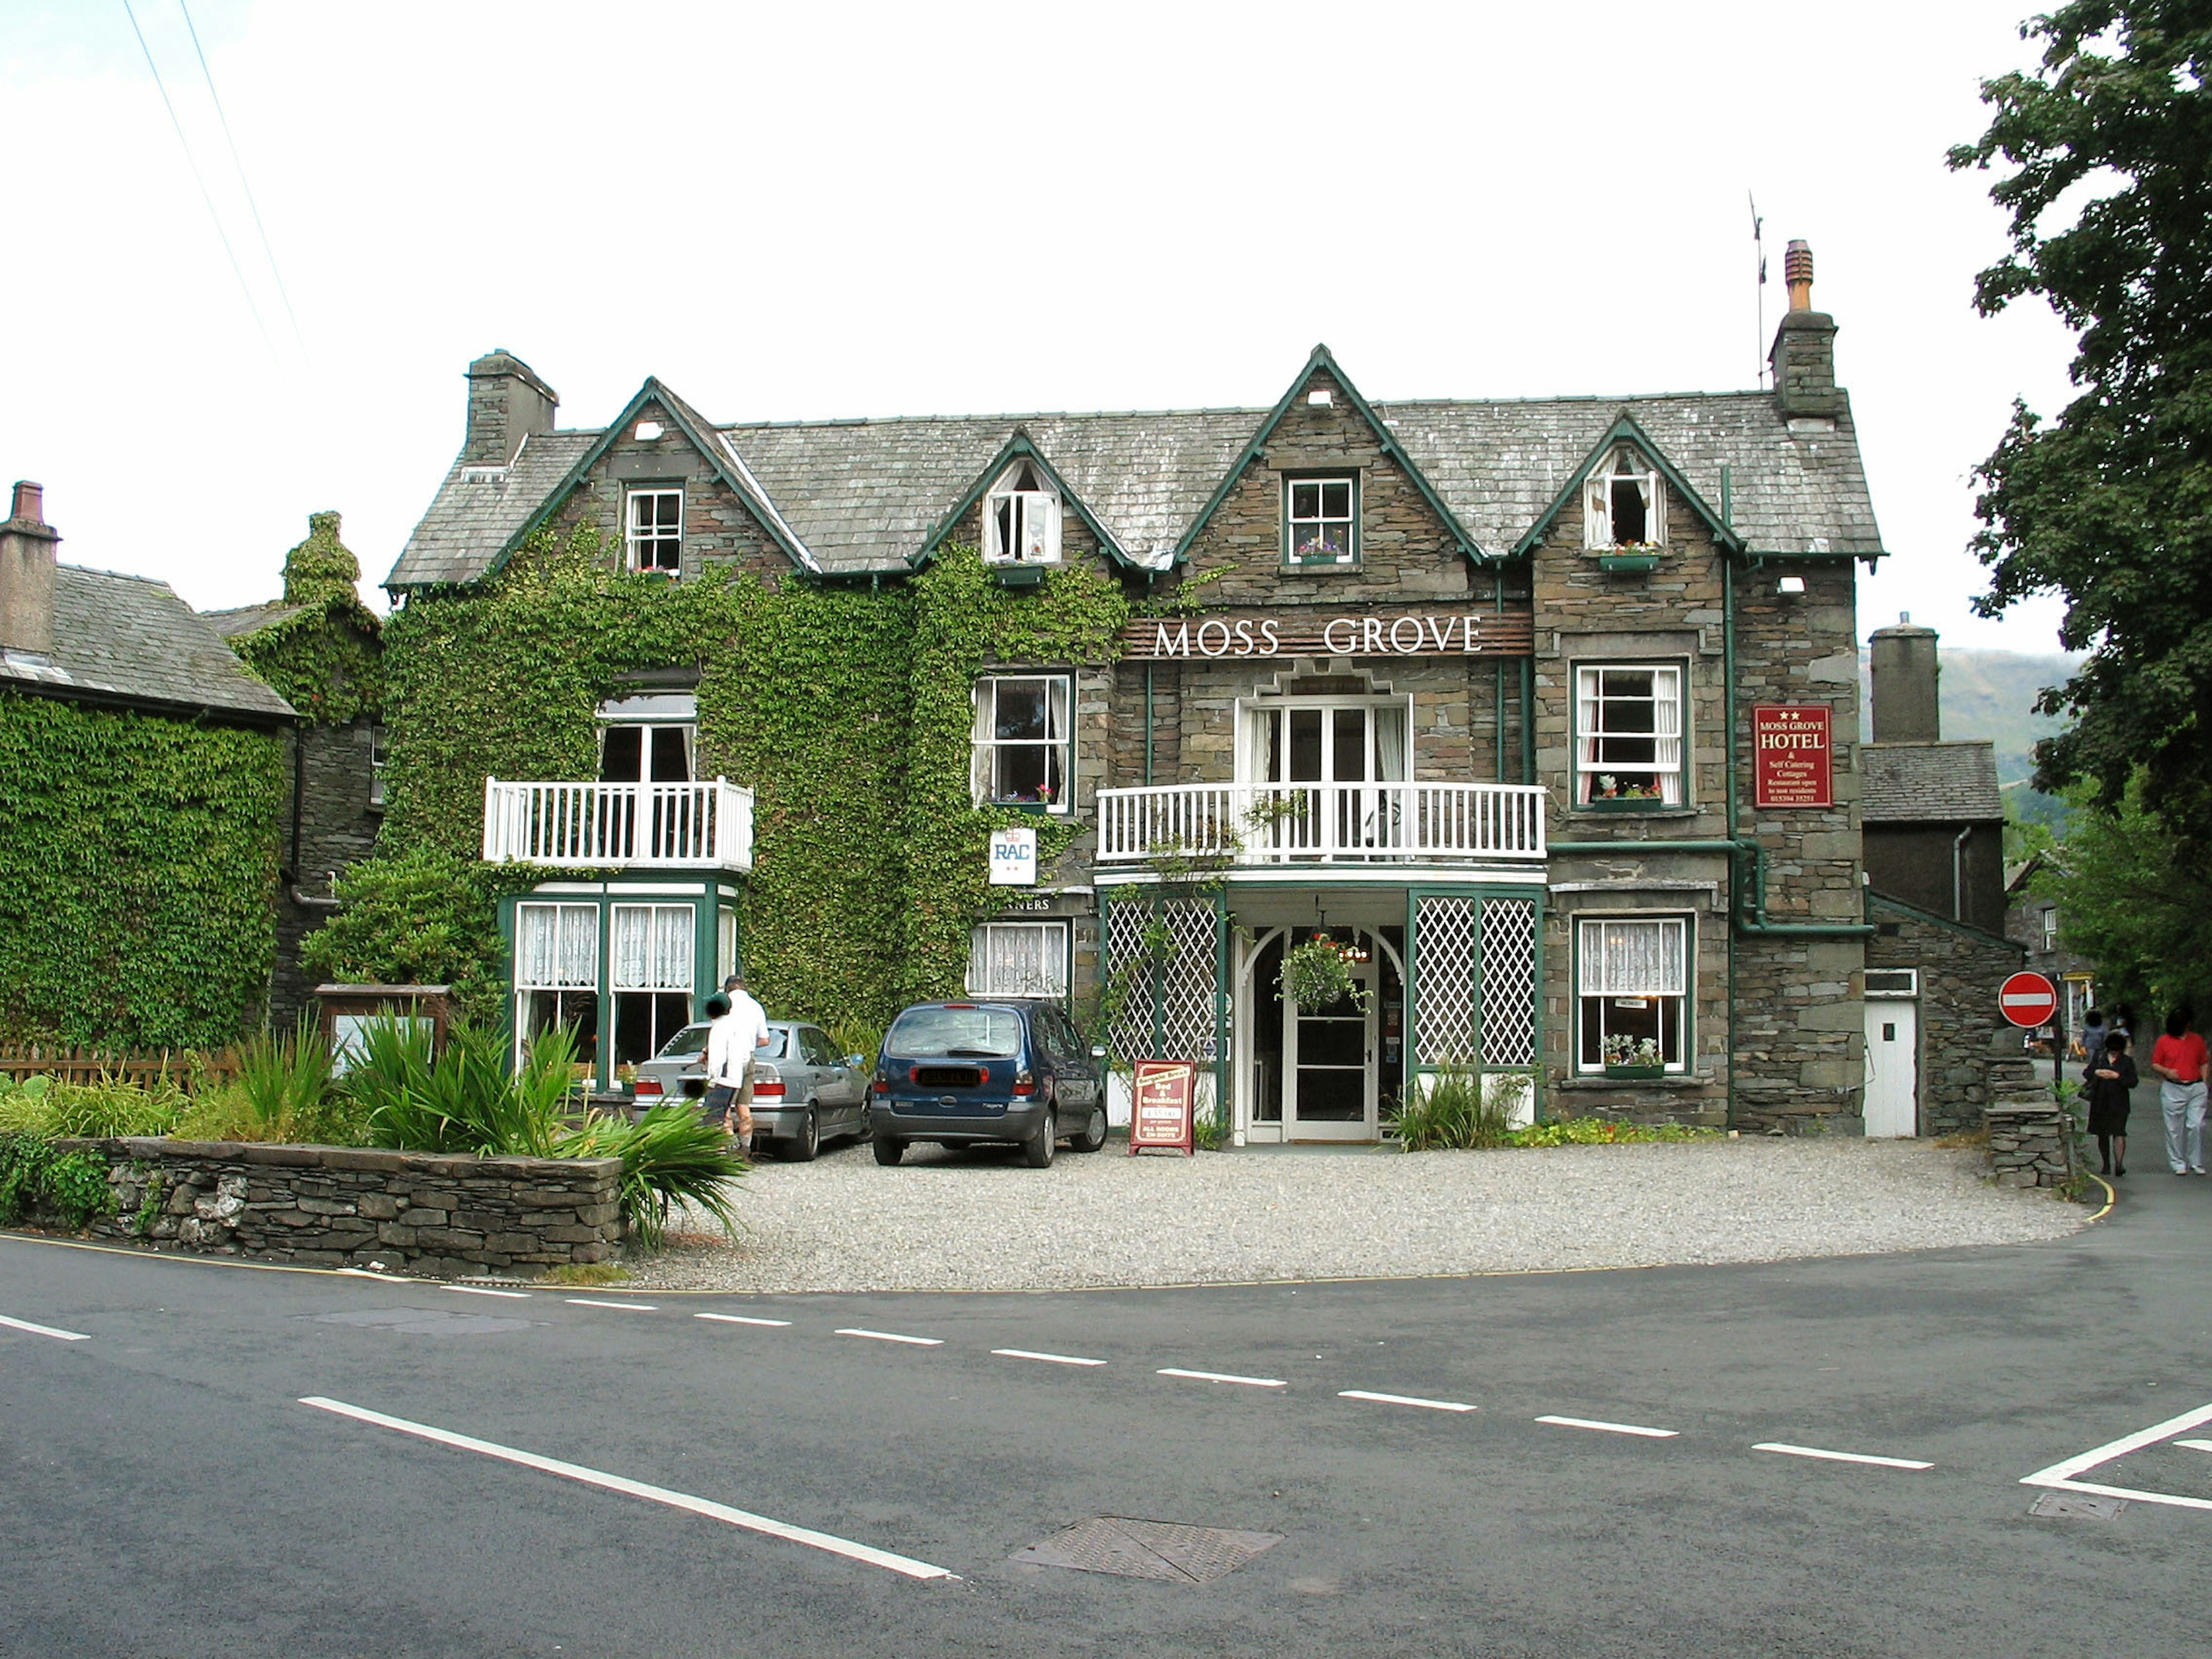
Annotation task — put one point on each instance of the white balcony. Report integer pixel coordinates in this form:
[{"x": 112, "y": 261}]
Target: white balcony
[
  {"x": 631, "y": 826},
  {"x": 1366, "y": 823}
]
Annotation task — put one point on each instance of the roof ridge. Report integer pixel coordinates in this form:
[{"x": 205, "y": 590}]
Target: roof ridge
[{"x": 118, "y": 575}]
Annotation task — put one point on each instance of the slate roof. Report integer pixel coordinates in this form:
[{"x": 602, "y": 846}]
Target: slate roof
[
  {"x": 131, "y": 640},
  {"x": 1928, "y": 783},
  {"x": 250, "y": 618},
  {"x": 863, "y": 497}
]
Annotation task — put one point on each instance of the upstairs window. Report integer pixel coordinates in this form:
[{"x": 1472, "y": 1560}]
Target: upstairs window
[
  {"x": 647, "y": 739},
  {"x": 1021, "y": 519},
  {"x": 1633, "y": 982},
  {"x": 1319, "y": 522},
  {"x": 655, "y": 536},
  {"x": 1623, "y": 504},
  {"x": 379, "y": 757},
  {"x": 1022, "y": 755},
  {"x": 1628, "y": 736}
]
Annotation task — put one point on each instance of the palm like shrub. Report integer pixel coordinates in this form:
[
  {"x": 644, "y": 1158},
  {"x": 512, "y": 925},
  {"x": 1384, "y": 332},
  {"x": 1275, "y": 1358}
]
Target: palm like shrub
[
  {"x": 284, "y": 1082},
  {"x": 670, "y": 1155}
]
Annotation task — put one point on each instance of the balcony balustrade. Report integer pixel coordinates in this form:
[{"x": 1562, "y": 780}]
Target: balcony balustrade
[
  {"x": 1366, "y": 824},
  {"x": 652, "y": 826}
]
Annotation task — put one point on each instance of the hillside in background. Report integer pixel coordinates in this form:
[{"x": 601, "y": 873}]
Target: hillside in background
[{"x": 1991, "y": 694}]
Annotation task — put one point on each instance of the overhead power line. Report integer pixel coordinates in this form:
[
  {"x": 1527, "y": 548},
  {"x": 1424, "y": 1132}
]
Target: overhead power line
[
  {"x": 192, "y": 161},
  {"x": 253, "y": 206}
]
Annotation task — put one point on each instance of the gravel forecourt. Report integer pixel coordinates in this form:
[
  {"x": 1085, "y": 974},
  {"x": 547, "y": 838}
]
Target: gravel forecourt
[{"x": 979, "y": 1221}]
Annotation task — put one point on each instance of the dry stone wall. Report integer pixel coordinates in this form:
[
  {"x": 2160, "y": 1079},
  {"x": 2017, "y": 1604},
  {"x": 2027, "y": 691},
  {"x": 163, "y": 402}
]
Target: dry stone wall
[{"x": 443, "y": 1214}]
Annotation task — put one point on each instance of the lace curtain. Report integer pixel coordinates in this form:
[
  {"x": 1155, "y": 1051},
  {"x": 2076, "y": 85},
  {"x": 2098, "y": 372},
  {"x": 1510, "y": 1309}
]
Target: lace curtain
[
  {"x": 652, "y": 947},
  {"x": 1634, "y": 959},
  {"x": 556, "y": 947}
]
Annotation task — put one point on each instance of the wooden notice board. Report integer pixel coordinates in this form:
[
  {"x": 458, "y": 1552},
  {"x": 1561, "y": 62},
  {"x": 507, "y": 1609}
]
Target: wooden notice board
[
  {"x": 1793, "y": 756},
  {"x": 1164, "y": 1112}
]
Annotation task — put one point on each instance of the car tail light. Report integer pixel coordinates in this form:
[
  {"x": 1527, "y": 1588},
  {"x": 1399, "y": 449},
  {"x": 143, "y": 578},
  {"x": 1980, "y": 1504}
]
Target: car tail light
[
  {"x": 1025, "y": 1082},
  {"x": 768, "y": 1083},
  {"x": 646, "y": 1085}
]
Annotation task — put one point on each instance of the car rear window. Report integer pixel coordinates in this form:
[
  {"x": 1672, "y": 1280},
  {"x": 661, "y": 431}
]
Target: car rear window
[
  {"x": 691, "y": 1040},
  {"x": 956, "y": 1033}
]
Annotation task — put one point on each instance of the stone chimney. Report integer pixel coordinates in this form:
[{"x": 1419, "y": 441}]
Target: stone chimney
[
  {"x": 1803, "y": 357},
  {"x": 506, "y": 403},
  {"x": 1906, "y": 709},
  {"x": 27, "y": 574}
]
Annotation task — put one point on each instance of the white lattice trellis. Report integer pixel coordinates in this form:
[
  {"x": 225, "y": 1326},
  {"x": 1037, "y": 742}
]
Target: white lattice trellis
[
  {"x": 1445, "y": 996},
  {"x": 1184, "y": 980},
  {"x": 1509, "y": 982}
]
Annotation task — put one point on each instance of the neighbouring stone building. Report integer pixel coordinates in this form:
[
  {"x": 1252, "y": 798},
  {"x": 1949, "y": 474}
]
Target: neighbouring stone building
[{"x": 1542, "y": 712}]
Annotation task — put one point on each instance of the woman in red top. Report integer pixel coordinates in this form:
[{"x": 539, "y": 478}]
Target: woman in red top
[{"x": 2179, "y": 1059}]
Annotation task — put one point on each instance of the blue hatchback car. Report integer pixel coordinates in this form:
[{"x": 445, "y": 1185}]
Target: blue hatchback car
[{"x": 1009, "y": 1070}]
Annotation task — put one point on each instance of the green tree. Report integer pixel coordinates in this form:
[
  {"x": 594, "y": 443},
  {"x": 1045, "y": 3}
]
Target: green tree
[
  {"x": 2135, "y": 898},
  {"x": 2110, "y": 505}
]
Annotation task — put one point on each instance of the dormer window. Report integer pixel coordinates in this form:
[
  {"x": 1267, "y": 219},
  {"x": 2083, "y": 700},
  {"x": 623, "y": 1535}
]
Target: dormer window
[
  {"x": 655, "y": 530},
  {"x": 1321, "y": 521},
  {"x": 1021, "y": 519},
  {"x": 1623, "y": 505}
]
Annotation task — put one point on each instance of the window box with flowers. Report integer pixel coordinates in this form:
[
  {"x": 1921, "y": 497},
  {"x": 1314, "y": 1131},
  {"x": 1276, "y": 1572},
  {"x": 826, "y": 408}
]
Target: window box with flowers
[{"x": 1631, "y": 558}]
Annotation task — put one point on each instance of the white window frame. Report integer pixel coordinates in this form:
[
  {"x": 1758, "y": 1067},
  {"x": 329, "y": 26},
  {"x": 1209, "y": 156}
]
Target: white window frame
[
  {"x": 1348, "y": 555},
  {"x": 1626, "y": 467},
  {"x": 619, "y": 978},
  {"x": 986, "y": 746},
  {"x": 1021, "y": 519},
  {"x": 1617, "y": 985},
  {"x": 655, "y": 537},
  {"x": 648, "y": 712},
  {"x": 523, "y": 981},
  {"x": 1595, "y": 761},
  {"x": 989, "y": 979},
  {"x": 2050, "y": 929}
]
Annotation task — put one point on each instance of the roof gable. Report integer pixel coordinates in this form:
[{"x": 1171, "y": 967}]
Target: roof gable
[
  {"x": 1019, "y": 447},
  {"x": 1321, "y": 361},
  {"x": 1625, "y": 429}
]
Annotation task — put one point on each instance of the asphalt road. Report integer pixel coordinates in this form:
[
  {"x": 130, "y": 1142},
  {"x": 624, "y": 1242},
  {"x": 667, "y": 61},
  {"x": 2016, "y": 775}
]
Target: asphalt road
[{"x": 164, "y": 1489}]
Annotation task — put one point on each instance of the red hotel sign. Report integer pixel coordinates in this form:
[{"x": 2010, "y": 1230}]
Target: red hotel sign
[
  {"x": 1793, "y": 756},
  {"x": 1164, "y": 1109}
]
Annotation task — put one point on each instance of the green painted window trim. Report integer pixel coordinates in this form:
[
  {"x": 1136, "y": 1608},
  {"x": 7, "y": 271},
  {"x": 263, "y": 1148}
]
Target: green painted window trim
[
  {"x": 1641, "y": 806},
  {"x": 1574, "y": 921},
  {"x": 1357, "y": 478}
]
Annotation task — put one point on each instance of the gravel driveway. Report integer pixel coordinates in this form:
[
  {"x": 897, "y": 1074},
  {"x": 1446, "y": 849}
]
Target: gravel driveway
[{"x": 979, "y": 1221}]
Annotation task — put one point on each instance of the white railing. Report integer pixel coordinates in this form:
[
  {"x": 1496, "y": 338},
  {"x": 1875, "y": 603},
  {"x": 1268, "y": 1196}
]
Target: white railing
[
  {"x": 1323, "y": 823},
  {"x": 607, "y": 825}
]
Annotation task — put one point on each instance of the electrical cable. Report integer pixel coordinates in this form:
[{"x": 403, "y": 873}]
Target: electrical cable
[
  {"x": 192, "y": 163},
  {"x": 253, "y": 206}
]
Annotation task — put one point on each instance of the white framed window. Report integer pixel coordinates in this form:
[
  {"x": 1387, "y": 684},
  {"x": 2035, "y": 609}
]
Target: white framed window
[
  {"x": 1632, "y": 991},
  {"x": 1628, "y": 735},
  {"x": 2050, "y": 929},
  {"x": 379, "y": 757},
  {"x": 649, "y": 968},
  {"x": 654, "y": 532},
  {"x": 1024, "y": 754},
  {"x": 1624, "y": 504},
  {"x": 1018, "y": 959},
  {"x": 1321, "y": 521},
  {"x": 556, "y": 973},
  {"x": 647, "y": 738},
  {"x": 1021, "y": 519}
]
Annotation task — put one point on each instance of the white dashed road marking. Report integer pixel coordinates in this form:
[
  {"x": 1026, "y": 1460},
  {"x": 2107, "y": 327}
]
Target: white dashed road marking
[
  {"x": 1616, "y": 1428},
  {"x": 627, "y": 1306},
  {"x": 486, "y": 1290},
  {"x": 760, "y": 1523},
  {"x": 1049, "y": 1358},
  {"x": 43, "y": 1330},
  {"x": 1841, "y": 1457},
  {"x": 1403, "y": 1400},
  {"x": 739, "y": 1319},
  {"x": 893, "y": 1336},
  {"x": 2061, "y": 1475},
  {"x": 1218, "y": 1377}
]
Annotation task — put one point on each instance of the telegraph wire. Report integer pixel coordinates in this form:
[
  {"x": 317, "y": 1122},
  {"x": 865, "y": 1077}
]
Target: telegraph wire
[
  {"x": 253, "y": 206},
  {"x": 192, "y": 161}
]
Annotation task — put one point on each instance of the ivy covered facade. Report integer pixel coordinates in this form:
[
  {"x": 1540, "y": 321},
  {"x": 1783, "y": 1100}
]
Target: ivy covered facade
[{"x": 1472, "y": 690}]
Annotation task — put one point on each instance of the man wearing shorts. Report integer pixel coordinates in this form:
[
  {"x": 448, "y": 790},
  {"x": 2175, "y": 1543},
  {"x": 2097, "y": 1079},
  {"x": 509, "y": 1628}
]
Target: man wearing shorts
[{"x": 734, "y": 1041}]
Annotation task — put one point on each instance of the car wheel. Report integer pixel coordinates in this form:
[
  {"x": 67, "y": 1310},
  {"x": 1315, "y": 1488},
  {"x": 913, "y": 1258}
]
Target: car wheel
[
  {"x": 1037, "y": 1150},
  {"x": 889, "y": 1150},
  {"x": 806, "y": 1145},
  {"x": 1094, "y": 1132}
]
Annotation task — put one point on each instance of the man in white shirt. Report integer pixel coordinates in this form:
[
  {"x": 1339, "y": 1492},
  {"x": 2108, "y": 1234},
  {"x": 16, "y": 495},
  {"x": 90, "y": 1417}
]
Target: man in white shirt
[{"x": 733, "y": 1044}]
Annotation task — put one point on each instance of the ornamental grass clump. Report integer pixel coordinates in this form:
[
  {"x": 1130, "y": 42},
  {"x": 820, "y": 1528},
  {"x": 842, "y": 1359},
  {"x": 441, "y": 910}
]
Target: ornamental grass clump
[
  {"x": 1459, "y": 1111},
  {"x": 101, "y": 1110}
]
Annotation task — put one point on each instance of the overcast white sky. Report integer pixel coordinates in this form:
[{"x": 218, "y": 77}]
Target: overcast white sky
[{"x": 802, "y": 210}]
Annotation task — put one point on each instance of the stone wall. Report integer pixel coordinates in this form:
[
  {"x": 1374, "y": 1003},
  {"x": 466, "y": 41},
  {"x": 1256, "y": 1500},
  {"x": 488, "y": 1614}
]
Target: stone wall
[
  {"x": 338, "y": 826},
  {"x": 1970, "y": 1056},
  {"x": 443, "y": 1214},
  {"x": 2026, "y": 1145}
]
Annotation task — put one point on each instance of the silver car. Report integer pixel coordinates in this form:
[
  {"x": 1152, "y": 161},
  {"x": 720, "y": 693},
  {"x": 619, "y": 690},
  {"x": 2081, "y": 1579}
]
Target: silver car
[{"x": 804, "y": 1091}]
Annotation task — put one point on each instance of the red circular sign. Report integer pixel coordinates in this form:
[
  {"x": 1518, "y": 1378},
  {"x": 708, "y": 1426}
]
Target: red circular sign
[{"x": 2027, "y": 999}]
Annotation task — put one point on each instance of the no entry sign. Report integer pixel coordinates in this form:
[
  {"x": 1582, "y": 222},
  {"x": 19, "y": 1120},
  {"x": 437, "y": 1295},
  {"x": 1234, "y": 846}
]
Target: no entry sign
[{"x": 2027, "y": 999}]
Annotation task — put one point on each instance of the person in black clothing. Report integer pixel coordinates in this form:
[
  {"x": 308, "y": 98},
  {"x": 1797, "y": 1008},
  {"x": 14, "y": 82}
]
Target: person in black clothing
[{"x": 2109, "y": 1080}]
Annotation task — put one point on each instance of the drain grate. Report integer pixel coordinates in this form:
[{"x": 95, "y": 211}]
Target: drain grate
[
  {"x": 1148, "y": 1549},
  {"x": 2082, "y": 1506}
]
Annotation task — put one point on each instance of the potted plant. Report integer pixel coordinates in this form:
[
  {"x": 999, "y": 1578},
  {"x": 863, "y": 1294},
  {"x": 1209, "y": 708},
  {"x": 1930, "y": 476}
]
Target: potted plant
[
  {"x": 1633, "y": 1057},
  {"x": 1317, "y": 974}
]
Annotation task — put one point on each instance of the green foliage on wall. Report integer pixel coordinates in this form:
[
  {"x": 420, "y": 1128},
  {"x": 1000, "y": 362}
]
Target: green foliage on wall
[
  {"x": 847, "y": 710},
  {"x": 138, "y": 868},
  {"x": 323, "y": 660},
  {"x": 420, "y": 916}
]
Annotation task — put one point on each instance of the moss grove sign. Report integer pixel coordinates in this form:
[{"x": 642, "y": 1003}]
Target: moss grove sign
[{"x": 1313, "y": 632}]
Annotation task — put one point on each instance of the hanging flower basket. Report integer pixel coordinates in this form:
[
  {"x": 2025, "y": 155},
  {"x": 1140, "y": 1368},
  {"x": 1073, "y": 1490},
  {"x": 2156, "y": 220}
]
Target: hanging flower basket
[{"x": 1317, "y": 974}]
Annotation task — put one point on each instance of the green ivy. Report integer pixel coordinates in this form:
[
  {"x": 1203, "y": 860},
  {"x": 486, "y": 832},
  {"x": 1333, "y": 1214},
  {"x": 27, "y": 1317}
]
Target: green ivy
[
  {"x": 846, "y": 709},
  {"x": 138, "y": 869},
  {"x": 323, "y": 659}
]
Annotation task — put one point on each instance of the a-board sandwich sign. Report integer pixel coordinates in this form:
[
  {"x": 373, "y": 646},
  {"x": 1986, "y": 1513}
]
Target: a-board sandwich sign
[{"x": 1163, "y": 1106}]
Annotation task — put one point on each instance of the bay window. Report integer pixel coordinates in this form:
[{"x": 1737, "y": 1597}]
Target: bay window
[
  {"x": 1632, "y": 986},
  {"x": 556, "y": 973},
  {"x": 1628, "y": 736},
  {"x": 649, "y": 971},
  {"x": 1022, "y": 755}
]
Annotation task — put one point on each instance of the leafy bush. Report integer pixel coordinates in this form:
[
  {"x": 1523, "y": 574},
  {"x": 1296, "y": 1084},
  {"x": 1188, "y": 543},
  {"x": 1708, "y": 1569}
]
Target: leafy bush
[
  {"x": 72, "y": 1187},
  {"x": 1458, "y": 1114},
  {"x": 670, "y": 1155},
  {"x": 92, "y": 1111},
  {"x": 1603, "y": 1131}
]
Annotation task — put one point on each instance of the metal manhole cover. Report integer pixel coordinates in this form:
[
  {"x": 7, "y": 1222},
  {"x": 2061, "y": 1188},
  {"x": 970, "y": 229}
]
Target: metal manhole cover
[
  {"x": 2080, "y": 1505},
  {"x": 1148, "y": 1549}
]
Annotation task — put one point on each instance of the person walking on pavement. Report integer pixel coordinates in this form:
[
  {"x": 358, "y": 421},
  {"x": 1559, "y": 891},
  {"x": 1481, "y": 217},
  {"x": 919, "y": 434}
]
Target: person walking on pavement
[
  {"x": 2178, "y": 1059},
  {"x": 2094, "y": 1033},
  {"x": 732, "y": 1045},
  {"x": 2108, "y": 1079}
]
